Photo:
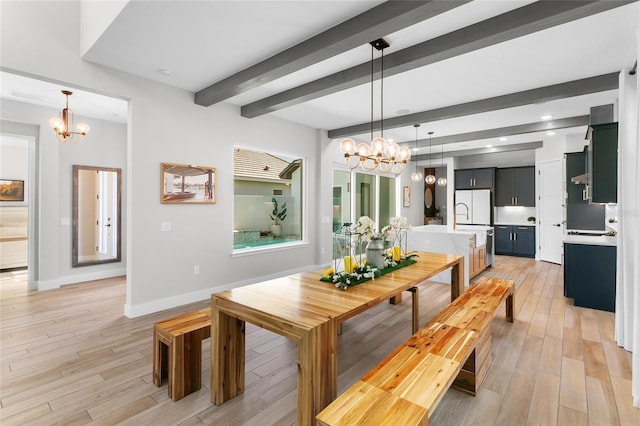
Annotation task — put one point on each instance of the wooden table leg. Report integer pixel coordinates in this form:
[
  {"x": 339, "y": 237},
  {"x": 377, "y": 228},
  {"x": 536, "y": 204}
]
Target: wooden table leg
[
  {"x": 457, "y": 279},
  {"x": 415, "y": 309},
  {"x": 227, "y": 356},
  {"x": 317, "y": 371},
  {"x": 396, "y": 300}
]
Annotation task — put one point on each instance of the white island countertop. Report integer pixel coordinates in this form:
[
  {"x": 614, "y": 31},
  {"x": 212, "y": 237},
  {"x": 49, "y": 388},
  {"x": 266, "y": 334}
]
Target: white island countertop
[
  {"x": 595, "y": 240},
  {"x": 442, "y": 239}
]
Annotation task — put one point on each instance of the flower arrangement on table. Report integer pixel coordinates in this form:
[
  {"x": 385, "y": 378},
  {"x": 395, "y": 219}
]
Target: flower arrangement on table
[{"x": 348, "y": 272}]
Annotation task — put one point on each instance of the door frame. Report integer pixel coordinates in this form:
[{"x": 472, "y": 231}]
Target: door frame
[{"x": 539, "y": 230}]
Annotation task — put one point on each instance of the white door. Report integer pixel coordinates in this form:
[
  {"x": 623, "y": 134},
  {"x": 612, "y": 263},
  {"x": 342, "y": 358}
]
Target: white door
[{"x": 551, "y": 203}]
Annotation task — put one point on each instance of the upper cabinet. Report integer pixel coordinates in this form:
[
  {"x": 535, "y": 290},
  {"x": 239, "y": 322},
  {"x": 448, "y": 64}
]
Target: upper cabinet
[
  {"x": 515, "y": 186},
  {"x": 603, "y": 162},
  {"x": 474, "y": 178}
]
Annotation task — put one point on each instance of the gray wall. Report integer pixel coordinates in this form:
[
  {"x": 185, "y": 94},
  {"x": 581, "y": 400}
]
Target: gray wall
[{"x": 164, "y": 126}]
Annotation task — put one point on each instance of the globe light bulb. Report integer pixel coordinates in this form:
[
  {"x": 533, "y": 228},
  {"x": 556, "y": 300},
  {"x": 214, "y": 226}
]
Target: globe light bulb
[
  {"x": 404, "y": 154},
  {"x": 348, "y": 146},
  {"x": 430, "y": 179},
  {"x": 82, "y": 128},
  {"x": 416, "y": 176},
  {"x": 363, "y": 150},
  {"x": 442, "y": 181},
  {"x": 377, "y": 146}
]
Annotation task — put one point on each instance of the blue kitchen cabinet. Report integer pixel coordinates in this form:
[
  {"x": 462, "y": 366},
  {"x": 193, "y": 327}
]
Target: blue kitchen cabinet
[{"x": 590, "y": 275}]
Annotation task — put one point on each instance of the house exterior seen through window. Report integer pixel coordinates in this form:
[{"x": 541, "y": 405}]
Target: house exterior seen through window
[{"x": 267, "y": 199}]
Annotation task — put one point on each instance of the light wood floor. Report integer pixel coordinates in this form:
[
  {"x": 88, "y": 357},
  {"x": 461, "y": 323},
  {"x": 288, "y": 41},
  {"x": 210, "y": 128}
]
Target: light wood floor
[{"x": 69, "y": 356}]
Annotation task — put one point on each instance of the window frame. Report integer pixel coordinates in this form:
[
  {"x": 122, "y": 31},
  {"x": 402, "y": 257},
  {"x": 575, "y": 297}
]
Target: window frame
[{"x": 304, "y": 208}]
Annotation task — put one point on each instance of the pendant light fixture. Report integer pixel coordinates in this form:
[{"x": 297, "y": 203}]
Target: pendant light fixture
[
  {"x": 61, "y": 126},
  {"x": 416, "y": 176},
  {"x": 430, "y": 179},
  {"x": 442, "y": 180},
  {"x": 380, "y": 155}
]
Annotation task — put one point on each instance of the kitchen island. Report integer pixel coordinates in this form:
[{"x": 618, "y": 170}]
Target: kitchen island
[
  {"x": 590, "y": 271},
  {"x": 468, "y": 241}
]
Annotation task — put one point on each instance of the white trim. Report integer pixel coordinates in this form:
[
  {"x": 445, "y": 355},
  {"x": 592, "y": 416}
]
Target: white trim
[
  {"x": 73, "y": 279},
  {"x": 134, "y": 311},
  {"x": 268, "y": 248}
]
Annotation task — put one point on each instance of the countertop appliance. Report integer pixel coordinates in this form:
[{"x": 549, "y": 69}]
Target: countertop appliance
[{"x": 473, "y": 207}]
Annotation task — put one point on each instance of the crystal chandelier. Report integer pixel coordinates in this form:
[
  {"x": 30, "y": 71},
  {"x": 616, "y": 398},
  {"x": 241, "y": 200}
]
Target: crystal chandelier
[
  {"x": 61, "y": 126},
  {"x": 380, "y": 155}
]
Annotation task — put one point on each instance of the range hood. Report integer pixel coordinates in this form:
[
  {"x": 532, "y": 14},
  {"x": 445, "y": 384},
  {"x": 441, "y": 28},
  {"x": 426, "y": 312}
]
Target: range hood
[{"x": 580, "y": 179}]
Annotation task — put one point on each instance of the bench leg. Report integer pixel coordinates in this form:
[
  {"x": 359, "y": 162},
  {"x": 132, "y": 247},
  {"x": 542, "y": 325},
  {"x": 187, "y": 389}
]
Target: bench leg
[
  {"x": 509, "y": 303},
  {"x": 415, "y": 309},
  {"x": 160, "y": 355},
  {"x": 186, "y": 365}
]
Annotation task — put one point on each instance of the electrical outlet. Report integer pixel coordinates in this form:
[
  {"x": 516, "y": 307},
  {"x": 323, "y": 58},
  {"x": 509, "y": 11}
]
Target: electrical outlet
[{"x": 196, "y": 270}]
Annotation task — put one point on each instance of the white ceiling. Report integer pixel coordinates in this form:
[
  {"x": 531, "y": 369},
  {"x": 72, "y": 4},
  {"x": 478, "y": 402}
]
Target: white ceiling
[{"x": 203, "y": 42}]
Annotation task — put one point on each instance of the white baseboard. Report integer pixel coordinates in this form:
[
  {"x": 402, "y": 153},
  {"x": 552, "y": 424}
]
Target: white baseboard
[
  {"x": 73, "y": 279},
  {"x": 134, "y": 311}
]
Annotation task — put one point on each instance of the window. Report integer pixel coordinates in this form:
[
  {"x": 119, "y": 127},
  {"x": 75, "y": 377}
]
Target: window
[{"x": 267, "y": 199}]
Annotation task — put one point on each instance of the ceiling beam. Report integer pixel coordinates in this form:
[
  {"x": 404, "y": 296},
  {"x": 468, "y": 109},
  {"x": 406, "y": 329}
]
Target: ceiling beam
[
  {"x": 569, "y": 89},
  {"x": 377, "y": 22},
  {"x": 480, "y": 151},
  {"x": 520, "y": 129},
  {"x": 507, "y": 26}
]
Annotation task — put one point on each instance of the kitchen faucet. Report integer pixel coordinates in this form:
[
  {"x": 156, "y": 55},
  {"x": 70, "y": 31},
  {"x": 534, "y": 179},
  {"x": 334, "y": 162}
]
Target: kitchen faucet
[{"x": 456, "y": 214}]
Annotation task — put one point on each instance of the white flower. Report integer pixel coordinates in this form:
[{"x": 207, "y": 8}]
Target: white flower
[{"x": 366, "y": 227}]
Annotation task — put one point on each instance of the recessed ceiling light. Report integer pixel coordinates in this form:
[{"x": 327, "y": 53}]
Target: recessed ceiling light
[
  {"x": 165, "y": 72},
  {"x": 390, "y": 140},
  {"x": 402, "y": 111},
  {"x": 551, "y": 133},
  {"x": 502, "y": 139},
  {"x": 546, "y": 117},
  {"x": 415, "y": 149},
  {"x": 489, "y": 146}
]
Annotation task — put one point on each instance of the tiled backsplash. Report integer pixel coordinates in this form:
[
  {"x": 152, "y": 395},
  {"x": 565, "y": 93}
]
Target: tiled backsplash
[{"x": 514, "y": 215}]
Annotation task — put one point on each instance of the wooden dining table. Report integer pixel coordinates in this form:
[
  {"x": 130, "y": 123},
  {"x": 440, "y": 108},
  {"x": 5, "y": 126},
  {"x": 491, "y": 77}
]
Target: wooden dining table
[{"x": 308, "y": 311}]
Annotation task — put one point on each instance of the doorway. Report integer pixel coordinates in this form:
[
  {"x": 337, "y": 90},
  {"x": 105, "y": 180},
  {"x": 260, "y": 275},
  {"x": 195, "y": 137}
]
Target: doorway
[{"x": 17, "y": 210}]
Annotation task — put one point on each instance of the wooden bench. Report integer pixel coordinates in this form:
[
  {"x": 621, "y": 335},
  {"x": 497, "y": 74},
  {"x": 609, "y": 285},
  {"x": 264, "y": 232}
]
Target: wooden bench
[
  {"x": 177, "y": 351},
  {"x": 453, "y": 349}
]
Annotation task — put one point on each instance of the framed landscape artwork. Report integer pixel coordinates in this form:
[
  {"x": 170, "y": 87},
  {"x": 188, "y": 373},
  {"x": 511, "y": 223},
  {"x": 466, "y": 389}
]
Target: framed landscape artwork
[
  {"x": 11, "y": 190},
  {"x": 187, "y": 184}
]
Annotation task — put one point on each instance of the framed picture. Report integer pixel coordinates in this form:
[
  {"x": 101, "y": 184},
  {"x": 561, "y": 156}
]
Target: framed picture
[
  {"x": 187, "y": 184},
  {"x": 406, "y": 196},
  {"x": 11, "y": 190}
]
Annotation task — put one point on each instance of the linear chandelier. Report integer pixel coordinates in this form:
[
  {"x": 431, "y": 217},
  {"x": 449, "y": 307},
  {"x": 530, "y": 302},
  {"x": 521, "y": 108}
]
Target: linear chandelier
[
  {"x": 380, "y": 155},
  {"x": 61, "y": 125}
]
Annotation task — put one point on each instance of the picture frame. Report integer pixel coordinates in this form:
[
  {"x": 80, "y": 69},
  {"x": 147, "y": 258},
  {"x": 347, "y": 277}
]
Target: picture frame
[
  {"x": 406, "y": 196},
  {"x": 187, "y": 184},
  {"x": 11, "y": 190}
]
